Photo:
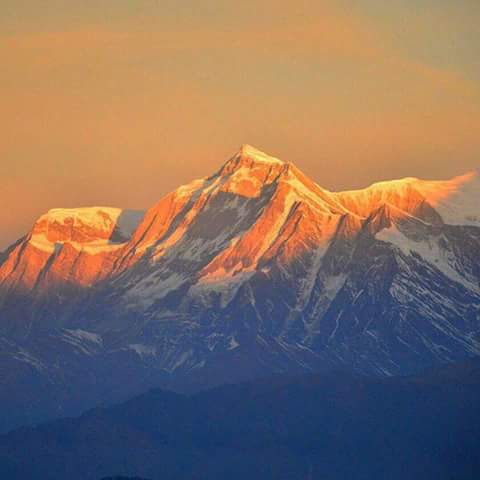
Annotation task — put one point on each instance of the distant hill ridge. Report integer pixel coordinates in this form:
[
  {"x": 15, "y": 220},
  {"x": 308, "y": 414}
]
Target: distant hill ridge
[{"x": 335, "y": 427}]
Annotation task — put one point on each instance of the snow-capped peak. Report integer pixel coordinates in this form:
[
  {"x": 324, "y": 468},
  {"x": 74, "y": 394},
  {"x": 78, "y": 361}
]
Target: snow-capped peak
[
  {"x": 249, "y": 158},
  {"x": 248, "y": 151},
  {"x": 86, "y": 225},
  {"x": 455, "y": 200},
  {"x": 92, "y": 216}
]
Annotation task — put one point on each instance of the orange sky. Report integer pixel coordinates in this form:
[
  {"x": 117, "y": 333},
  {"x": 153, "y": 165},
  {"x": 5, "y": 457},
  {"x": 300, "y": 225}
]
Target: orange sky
[{"x": 117, "y": 102}]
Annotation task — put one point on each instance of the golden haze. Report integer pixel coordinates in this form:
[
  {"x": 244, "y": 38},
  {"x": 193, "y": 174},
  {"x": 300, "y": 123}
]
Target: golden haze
[{"x": 120, "y": 103}]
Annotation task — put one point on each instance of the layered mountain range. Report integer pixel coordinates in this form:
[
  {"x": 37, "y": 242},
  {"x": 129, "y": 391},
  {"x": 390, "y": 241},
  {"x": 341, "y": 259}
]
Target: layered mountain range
[
  {"x": 319, "y": 426},
  {"x": 253, "y": 270}
]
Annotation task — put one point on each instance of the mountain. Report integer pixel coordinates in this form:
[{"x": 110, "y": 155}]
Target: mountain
[
  {"x": 251, "y": 271},
  {"x": 334, "y": 427}
]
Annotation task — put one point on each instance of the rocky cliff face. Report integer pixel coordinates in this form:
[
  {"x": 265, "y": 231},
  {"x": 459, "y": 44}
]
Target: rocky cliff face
[{"x": 255, "y": 269}]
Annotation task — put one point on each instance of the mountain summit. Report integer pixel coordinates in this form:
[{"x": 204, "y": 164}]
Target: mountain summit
[
  {"x": 252, "y": 270},
  {"x": 248, "y": 151}
]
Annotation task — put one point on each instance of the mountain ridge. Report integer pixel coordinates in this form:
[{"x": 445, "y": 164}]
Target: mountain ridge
[
  {"x": 251, "y": 271},
  {"x": 335, "y": 426}
]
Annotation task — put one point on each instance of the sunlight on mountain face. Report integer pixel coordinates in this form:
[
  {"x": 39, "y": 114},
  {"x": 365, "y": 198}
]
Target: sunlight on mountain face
[
  {"x": 256, "y": 209},
  {"x": 253, "y": 270}
]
